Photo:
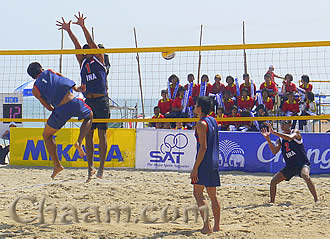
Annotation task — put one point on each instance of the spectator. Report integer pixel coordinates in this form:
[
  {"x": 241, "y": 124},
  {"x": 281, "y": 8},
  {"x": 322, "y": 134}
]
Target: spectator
[
  {"x": 266, "y": 100},
  {"x": 167, "y": 125},
  {"x": 247, "y": 85},
  {"x": 195, "y": 90},
  {"x": 165, "y": 104},
  {"x": 233, "y": 126},
  {"x": 305, "y": 83},
  {"x": 288, "y": 86},
  {"x": 174, "y": 86},
  {"x": 220, "y": 114},
  {"x": 159, "y": 125},
  {"x": 180, "y": 125},
  {"x": 261, "y": 111},
  {"x": 228, "y": 102},
  {"x": 247, "y": 125},
  {"x": 208, "y": 86},
  {"x": 245, "y": 101},
  {"x": 157, "y": 115},
  {"x": 217, "y": 87},
  {"x": 291, "y": 108},
  {"x": 177, "y": 106},
  {"x": 308, "y": 107},
  {"x": 272, "y": 74},
  {"x": 231, "y": 86},
  {"x": 270, "y": 85},
  {"x": 5, "y": 134}
]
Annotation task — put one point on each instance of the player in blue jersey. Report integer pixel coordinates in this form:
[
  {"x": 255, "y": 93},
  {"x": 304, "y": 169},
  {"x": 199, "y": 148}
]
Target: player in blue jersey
[
  {"x": 205, "y": 173},
  {"x": 93, "y": 74},
  {"x": 53, "y": 90},
  {"x": 293, "y": 151}
]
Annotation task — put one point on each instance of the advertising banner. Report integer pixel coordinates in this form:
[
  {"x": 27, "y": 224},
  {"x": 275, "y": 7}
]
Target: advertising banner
[
  {"x": 27, "y": 147},
  {"x": 165, "y": 149}
]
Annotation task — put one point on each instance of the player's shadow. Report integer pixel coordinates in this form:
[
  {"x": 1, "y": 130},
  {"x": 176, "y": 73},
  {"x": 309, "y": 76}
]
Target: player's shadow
[{"x": 177, "y": 232}]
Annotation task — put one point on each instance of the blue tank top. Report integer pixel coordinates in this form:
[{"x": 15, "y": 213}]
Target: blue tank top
[
  {"x": 53, "y": 87},
  {"x": 93, "y": 75},
  {"x": 211, "y": 157},
  {"x": 294, "y": 152}
]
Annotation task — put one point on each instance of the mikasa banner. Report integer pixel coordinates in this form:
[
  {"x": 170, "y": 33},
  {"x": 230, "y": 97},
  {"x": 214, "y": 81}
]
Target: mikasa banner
[{"x": 165, "y": 149}]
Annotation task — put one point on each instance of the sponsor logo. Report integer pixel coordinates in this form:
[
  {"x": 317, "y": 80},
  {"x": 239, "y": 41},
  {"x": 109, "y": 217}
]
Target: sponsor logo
[
  {"x": 170, "y": 151},
  {"x": 231, "y": 154}
]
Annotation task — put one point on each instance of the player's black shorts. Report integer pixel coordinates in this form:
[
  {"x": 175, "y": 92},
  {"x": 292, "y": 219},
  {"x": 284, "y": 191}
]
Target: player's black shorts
[
  {"x": 101, "y": 110},
  {"x": 289, "y": 172}
]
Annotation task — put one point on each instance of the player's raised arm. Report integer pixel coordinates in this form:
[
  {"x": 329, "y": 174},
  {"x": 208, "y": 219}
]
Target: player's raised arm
[
  {"x": 294, "y": 135},
  {"x": 67, "y": 27},
  {"x": 81, "y": 22},
  {"x": 274, "y": 148}
]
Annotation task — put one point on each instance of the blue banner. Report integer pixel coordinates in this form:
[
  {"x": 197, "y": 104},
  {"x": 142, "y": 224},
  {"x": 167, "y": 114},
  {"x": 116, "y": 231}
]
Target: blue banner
[{"x": 249, "y": 152}]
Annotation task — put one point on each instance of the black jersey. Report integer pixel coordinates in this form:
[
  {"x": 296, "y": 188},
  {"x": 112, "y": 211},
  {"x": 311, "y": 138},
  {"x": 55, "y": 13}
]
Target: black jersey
[{"x": 293, "y": 152}]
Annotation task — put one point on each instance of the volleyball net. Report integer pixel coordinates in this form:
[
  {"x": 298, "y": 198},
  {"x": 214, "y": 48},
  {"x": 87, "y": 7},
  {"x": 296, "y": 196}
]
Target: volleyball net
[{"x": 129, "y": 101}]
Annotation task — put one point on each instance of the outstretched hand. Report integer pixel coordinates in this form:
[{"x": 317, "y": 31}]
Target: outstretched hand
[
  {"x": 80, "y": 19},
  {"x": 63, "y": 25},
  {"x": 81, "y": 88},
  {"x": 271, "y": 130},
  {"x": 265, "y": 133}
]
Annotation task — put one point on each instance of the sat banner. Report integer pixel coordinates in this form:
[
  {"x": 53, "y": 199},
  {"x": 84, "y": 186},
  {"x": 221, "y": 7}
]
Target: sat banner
[
  {"x": 249, "y": 152},
  {"x": 165, "y": 149},
  {"x": 28, "y": 148}
]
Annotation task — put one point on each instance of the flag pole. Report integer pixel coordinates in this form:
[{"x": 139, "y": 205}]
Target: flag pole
[{"x": 199, "y": 55}]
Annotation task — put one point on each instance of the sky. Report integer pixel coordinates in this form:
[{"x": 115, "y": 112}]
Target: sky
[{"x": 31, "y": 24}]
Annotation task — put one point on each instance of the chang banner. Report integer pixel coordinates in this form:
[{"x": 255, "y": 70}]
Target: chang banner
[
  {"x": 249, "y": 152},
  {"x": 165, "y": 149},
  {"x": 28, "y": 148}
]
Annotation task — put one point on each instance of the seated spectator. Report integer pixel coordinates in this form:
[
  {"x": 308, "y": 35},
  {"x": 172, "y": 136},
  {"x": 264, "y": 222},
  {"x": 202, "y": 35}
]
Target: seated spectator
[
  {"x": 291, "y": 108},
  {"x": 220, "y": 114},
  {"x": 174, "y": 86},
  {"x": 308, "y": 107},
  {"x": 165, "y": 104},
  {"x": 228, "y": 102},
  {"x": 159, "y": 125},
  {"x": 177, "y": 106},
  {"x": 261, "y": 111},
  {"x": 288, "y": 86},
  {"x": 167, "y": 125},
  {"x": 180, "y": 125},
  {"x": 157, "y": 115},
  {"x": 245, "y": 101},
  {"x": 217, "y": 87},
  {"x": 208, "y": 88},
  {"x": 231, "y": 86},
  {"x": 247, "y": 85},
  {"x": 270, "y": 85},
  {"x": 267, "y": 101},
  {"x": 234, "y": 126},
  {"x": 5, "y": 134},
  {"x": 272, "y": 74},
  {"x": 195, "y": 90},
  {"x": 305, "y": 83},
  {"x": 247, "y": 125}
]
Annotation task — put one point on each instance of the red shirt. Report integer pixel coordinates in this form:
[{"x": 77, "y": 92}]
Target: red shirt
[
  {"x": 165, "y": 106},
  {"x": 248, "y": 87},
  {"x": 309, "y": 87},
  {"x": 212, "y": 114},
  {"x": 208, "y": 89},
  {"x": 195, "y": 90},
  {"x": 236, "y": 123},
  {"x": 172, "y": 91},
  {"x": 228, "y": 104},
  {"x": 217, "y": 88},
  {"x": 178, "y": 100},
  {"x": 160, "y": 116},
  {"x": 245, "y": 104},
  {"x": 271, "y": 86},
  {"x": 232, "y": 89},
  {"x": 291, "y": 107},
  {"x": 291, "y": 87},
  {"x": 268, "y": 104},
  {"x": 218, "y": 117}
]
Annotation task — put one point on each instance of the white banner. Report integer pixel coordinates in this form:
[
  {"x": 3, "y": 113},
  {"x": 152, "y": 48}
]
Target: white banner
[{"x": 165, "y": 149}]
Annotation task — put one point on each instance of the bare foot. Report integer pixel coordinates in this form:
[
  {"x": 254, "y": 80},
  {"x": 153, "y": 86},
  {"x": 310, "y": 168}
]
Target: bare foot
[
  {"x": 99, "y": 174},
  {"x": 90, "y": 175},
  {"x": 56, "y": 171},
  {"x": 206, "y": 230},
  {"x": 216, "y": 229},
  {"x": 80, "y": 149}
]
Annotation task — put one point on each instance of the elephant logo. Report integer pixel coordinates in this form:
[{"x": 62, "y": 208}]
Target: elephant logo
[{"x": 231, "y": 154}]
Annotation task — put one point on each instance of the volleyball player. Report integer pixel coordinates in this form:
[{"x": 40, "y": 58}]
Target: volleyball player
[
  {"x": 93, "y": 74},
  {"x": 293, "y": 151},
  {"x": 54, "y": 92},
  {"x": 205, "y": 173}
]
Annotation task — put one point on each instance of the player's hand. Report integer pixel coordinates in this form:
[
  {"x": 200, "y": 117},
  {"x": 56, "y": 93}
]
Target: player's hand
[
  {"x": 80, "y": 19},
  {"x": 265, "y": 133},
  {"x": 82, "y": 88},
  {"x": 194, "y": 176},
  {"x": 271, "y": 130},
  {"x": 63, "y": 25}
]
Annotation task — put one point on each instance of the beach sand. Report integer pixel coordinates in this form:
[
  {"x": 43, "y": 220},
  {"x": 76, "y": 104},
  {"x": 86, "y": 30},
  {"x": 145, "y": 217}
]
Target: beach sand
[{"x": 245, "y": 212}]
